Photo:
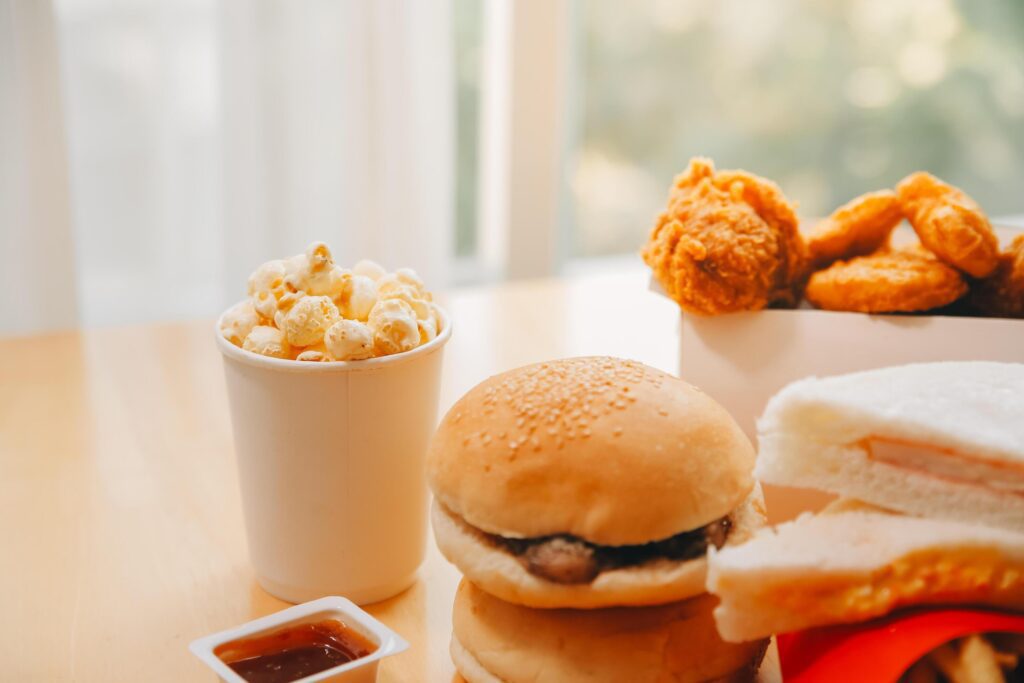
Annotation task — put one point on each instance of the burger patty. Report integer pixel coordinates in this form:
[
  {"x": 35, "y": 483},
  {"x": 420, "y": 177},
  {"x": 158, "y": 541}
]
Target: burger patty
[{"x": 568, "y": 559}]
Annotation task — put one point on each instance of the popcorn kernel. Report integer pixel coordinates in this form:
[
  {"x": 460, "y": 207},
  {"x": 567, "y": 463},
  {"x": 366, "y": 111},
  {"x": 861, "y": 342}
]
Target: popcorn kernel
[
  {"x": 349, "y": 340},
  {"x": 395, "y": 326},
  {"x": 370, "y": 269},
  {"x": 308, "y": 319},
  {"x": 267, "y": 341},
  {"x": 238, "y": 321},
  {"x": 358, "y": 296}
]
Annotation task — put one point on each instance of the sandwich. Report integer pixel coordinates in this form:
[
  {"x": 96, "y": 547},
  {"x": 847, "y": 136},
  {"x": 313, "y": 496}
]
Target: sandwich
[
  {"x": 589, "y": 483},
  {"x": 859, "y": 563},
  {"x": 939, "y": 440},
  {"x": 497, "y": 642},
  {"x": 928, "y": 461}
]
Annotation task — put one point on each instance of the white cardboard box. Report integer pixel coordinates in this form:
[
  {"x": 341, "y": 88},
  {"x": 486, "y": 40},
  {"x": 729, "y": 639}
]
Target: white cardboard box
[{"x": 742, "y": 359}]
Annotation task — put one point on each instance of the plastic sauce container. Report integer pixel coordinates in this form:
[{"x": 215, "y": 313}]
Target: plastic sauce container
[{"x": 330, "y": 634}]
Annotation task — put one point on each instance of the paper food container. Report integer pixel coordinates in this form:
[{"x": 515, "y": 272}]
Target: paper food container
[
  {"x": 742, "y": 359},
  {"x": 883, "y": 649}
]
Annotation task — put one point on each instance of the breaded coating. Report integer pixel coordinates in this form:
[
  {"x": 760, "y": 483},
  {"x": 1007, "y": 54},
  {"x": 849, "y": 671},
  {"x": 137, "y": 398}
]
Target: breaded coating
[
  {"x": 949, "y": 223},
  {"x": 902, "y": 280},
  {"x": 1001, "y": 294},
  {"x": 771, "y": 205},
  {"x": 727, "y": 242},
  {"x": 857, "y": 228}
]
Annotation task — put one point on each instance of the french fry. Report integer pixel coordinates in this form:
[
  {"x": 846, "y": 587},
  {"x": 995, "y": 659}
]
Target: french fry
[
  {"x": 979, "y": 660},
  {"x": 1007, "y": 660},
  {"x": 946, "y": 660},
  {"x": 969, "y": 660}
]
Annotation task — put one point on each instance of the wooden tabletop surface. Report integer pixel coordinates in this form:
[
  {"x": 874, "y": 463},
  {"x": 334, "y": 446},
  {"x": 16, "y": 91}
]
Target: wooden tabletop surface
[{"x": 119, "y": 506}]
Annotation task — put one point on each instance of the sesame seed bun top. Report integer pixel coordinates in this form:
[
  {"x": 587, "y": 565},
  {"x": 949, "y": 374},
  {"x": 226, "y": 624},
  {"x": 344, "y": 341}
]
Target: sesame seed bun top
[{"x": 608, "y": 450}]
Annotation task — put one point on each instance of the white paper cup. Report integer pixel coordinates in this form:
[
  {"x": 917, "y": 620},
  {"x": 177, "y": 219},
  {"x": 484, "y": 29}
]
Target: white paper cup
[{"x": 330, "y": 461}]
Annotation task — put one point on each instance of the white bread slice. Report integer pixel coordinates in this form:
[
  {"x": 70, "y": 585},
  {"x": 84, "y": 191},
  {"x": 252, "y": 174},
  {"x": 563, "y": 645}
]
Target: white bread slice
[
  {"x": 853, "y": 566},
  {"x": 866, "y": 435}
]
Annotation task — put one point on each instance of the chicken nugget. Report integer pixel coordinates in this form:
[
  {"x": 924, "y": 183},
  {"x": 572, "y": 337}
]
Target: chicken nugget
[
  {"x": 725, "y": 245},
  {"x": 859, "y": 227},
  {"x": 767, "y": 199},
  {"x": 902, "y": 280},
  {"x": 1001, "y": 294},
  {"x": 949, "y": 223}
]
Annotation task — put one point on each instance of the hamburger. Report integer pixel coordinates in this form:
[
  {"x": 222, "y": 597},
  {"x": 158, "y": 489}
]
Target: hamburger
[
  {"x": 589, "y": 483},
  {"x": 497, "y": 642}
]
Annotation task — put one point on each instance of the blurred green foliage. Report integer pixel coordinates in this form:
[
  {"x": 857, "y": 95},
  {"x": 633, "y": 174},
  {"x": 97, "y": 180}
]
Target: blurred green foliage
[
  {"x": 468, "y": 32},
  {"x": 830, "y": 99}
]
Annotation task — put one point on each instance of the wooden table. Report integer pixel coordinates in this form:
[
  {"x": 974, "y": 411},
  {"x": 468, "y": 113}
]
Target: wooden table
[{"x": 119, "y": 506}]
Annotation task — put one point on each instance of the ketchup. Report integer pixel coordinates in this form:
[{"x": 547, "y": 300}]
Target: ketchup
[{"x": 294, "y": 652}]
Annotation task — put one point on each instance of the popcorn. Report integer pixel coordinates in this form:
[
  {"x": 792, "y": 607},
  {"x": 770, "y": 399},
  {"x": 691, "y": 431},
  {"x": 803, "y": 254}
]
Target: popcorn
[
  {"x": 307, "y": 308},
  {"x": 395, "y": 326},
  {"x": 428, "y": 329},
  {"x": 395, "y": 287},
  {"x": 318, "y": 257},
  {"x": 410, "y": 278},
  {"x": 358, "y": 296},
  {"x": 314, "y": 354},
  {"x": 320, "y": 276},
  {"x": 308, "y": 319},
  {"x": 284, "y": 304},
  {"x": 238, "y": 321},
  {"x": 370, "y": 269},
  {"x": 297, "y": 266},
  {"x": 349, "y": 340},
  {"x": 329, "y": 282},
  {"x": 267, "y": 341},
  {"x": 266, "y": 286},
  {"x": 267, "y": 276},
  {"x": 428, "y": 326},
  {"x": 391, "y": 283}
]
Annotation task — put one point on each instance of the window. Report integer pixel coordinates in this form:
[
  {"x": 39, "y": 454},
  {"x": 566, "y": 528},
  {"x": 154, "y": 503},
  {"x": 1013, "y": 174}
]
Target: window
[
  {"x": 468, "y": 18},
  {"x": 829, "y": 99}
]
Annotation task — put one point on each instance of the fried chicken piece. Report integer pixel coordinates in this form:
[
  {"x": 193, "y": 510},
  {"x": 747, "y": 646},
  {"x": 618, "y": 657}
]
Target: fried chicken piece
[
  {"x": 1001, "y": 294},
  {"x": 728, "y": 241},
  {"x": 949, "y": 223},
  {"x": 778, "y": 212},
  {"x": 901, "y": 280},
  {"x": 857, "y": 228}
]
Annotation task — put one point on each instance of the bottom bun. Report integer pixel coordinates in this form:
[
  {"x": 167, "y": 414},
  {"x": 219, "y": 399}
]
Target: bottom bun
[
  {"x": 497, "y": 642},
  {"x": 653, "y": 583},
  {"x": 467, "y": 666}
]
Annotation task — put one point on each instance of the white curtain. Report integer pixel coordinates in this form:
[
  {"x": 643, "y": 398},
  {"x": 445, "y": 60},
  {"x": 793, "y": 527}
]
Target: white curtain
[
  {"x": 37, "y": 273},
  {"x": 205, "y": 136}
]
